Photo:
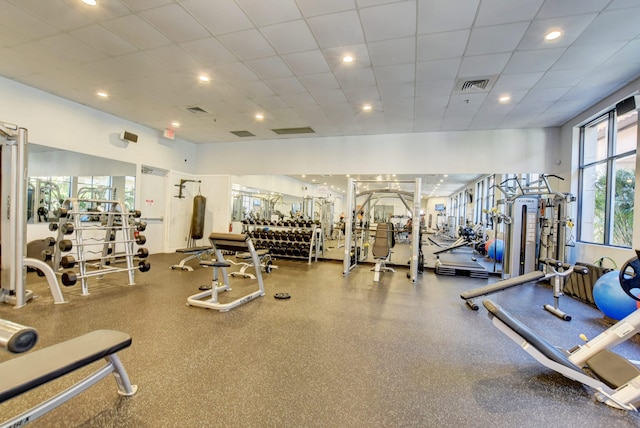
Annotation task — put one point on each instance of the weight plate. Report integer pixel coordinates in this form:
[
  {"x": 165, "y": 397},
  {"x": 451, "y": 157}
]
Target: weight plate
[
  {"x": 282, "y": 296},
  {"x": 630, "y": 278}
]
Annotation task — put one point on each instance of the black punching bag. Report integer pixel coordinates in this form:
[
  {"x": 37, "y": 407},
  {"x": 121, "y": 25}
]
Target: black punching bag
[{"x": 197, "y": 217}]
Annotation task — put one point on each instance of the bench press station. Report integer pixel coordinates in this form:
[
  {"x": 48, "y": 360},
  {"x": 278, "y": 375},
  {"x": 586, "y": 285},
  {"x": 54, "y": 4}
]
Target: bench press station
[
  {"x": 227, "y": 242},
  {"x": 36, "y": 368}
]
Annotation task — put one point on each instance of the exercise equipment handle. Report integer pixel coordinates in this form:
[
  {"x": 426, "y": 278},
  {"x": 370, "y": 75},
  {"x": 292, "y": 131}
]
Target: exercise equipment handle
[
  {"x": 554, "y": 176},
  {"x": 17, "y": 338}
]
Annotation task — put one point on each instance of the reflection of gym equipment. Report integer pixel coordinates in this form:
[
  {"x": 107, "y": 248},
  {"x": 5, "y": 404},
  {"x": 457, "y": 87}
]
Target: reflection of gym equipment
[
  {"x": 615, "y": 378},
  {"x": 381, "y": 249},
  {"x": 559, "y": 272},
  {"x": 352, "y": 249},
  {"x": 227, "y": 242},
  {"x": 469, "y": 237},
  {"x": 37, "y": 368},
  {"x": 13, "y": 205}
]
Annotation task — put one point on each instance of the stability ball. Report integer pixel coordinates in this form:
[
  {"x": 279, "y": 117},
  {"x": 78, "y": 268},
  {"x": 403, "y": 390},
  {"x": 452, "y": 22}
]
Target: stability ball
[
  {"x": 610, "y": 298},
  {"x": 488, "y": 244},
  {"x": 496, "y": 248}
]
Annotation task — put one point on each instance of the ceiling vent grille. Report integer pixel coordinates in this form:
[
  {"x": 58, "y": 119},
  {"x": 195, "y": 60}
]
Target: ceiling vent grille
[
  {"x": 196, "y": 110},
  {"x": 477, "y": 84},
  {"x": 289, "y": 131},
  {"x": 242, "y": 134}
]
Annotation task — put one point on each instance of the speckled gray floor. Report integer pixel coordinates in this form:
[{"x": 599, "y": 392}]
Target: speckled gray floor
[{"x": 342, "y": 352}]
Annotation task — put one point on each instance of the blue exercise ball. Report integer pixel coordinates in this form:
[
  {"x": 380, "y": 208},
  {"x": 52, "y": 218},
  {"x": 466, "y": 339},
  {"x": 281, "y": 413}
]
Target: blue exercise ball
[
  {"x": 610, "y": 298},
  {"x": 496, "y": 250}
]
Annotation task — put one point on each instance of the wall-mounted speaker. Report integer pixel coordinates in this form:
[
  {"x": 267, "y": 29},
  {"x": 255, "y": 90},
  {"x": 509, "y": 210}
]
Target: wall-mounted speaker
[
  {"x": 630, "y": 104},
  {"x": 129, "y": 136}
]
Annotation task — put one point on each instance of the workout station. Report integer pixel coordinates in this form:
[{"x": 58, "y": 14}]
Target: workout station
[{"x": 353, "y": 210}]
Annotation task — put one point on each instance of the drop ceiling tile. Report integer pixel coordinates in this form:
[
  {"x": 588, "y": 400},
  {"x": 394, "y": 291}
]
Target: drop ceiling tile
[
  {"x": 586, "y": 56},
  {"x": 248, "y": 44},
  {"x": 224, "y": 17},
  {"x": 72, "y": 48},
  {"x": 286, "y": 86},
  {"x": 103, "y": 40},
  {"x": 289, "y": 37},
  {"x": 536, "y": 60},
  {"x": 483, "y": 65},
  {"x": 445, "y": 15},
  {"x": 513, "y": 82},
  {"x": 389, "y": 93},
  {"x": 434, "y": 88},
  {"x": 209, "y": 51},
  {"x": 572, "y": 27},
  {"x": 271, "y": 12},
  {"x": 67, "y": 17},
  {"x": 356, "y": 77},
  {"x": 235, "y": 72},
  {"x": 542, "y": 95},
  {"x": 10, "y": 37},
  {"x": 392, "y": 74},
  {"x": 337, "y": 29},
  {"x": 270, "y": 102},
  {"x": 106, "y": 10},
  {"x": 298, "y": 100},
  {"x": 612, "y": 25},
  {"x": 629, "y": 54},
  {"x": 24, "y": 23},
  {"x": 396, "y": 51},
  {"x": 141, "y": 64},
  {"x": 310, "y": 62},
  {"x": 107, "y": 70},
  {"x": 389, "y": 21},
  {"x": 496, "y": 39},
  {"x": 269, "y": 68},
  {"x": 554, "y": 9},
  {"x": 621, "y": 4},
  {"x": 315, "y": 7},
  {"x": 328, "y": 97},
  {"x": 319, "y": 82},
  {"x": 176, "y": 59},
  {"x": 362, "y": 95},
  {"x": 437, "y": 70},
  {"x": 494, "y": 12},
  {"x": 137, "y": 32},
  {"x": 450, "y": 44},
  {"x": 175, "y": 23},
  {"x": 138, "y": 5},
  {"x": 29, "y": 58},
  {"x": 254, "y": 90}
]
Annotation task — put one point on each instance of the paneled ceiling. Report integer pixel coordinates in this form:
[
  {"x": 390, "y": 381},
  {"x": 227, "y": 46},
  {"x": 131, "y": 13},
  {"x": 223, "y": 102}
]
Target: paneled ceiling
[{"x": 283, "y": 59}]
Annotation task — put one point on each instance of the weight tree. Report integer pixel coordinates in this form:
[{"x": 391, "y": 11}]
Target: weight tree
[{"x": 350, "y": 220}]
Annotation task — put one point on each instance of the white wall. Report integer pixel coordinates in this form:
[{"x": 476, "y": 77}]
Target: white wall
[{"x": 477, "y": 152}]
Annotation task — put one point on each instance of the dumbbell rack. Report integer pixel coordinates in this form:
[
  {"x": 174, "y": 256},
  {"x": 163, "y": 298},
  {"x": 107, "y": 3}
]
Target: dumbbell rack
[
  {"x": 114, "y": 220},
  {"x": 300, "y": 240}
]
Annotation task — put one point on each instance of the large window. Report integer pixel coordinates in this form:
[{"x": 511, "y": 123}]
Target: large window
[{"x": 607, "y": 179}]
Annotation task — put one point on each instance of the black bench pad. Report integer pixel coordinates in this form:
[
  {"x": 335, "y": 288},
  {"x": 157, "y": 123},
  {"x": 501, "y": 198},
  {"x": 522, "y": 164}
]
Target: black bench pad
[
  {"x": 612, "y": 369},
  {"x": 39, "y": 367},
  {"x": 193, "y": 249}
]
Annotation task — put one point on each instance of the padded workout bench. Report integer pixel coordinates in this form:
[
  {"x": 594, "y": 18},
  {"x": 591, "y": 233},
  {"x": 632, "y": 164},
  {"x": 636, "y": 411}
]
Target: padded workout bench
[
  {"x": 505, "y": 284},
  {"x": 246, "y": 262},
  {"x": 381, "y": 249},
  {"x": 227, "y": 242},
  {"x": 616, "y": 382},
  {"x": 196, "y": 253},
  {"x": 34, "y": 369}
]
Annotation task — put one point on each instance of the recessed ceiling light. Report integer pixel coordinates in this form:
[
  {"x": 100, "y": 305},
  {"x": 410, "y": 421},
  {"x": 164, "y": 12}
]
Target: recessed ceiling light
[
  {"x": 303, "y": 176},
  {"x": 175, "y": 124},
  {"x": 366, "y": 107},
  {"x": 102, "y": 94},
  {"x": 90, "y": 2},
  {"x": 259, "y": 116},
  {"x": 203, "y": 78},
  {"x": 504, "y": 99},
  {"x": 553, "y": 35},
  {"x": 348, "y": 59}
]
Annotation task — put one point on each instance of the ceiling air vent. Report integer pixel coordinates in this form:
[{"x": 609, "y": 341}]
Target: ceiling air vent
[
  {"x": 289, "y": 131},
  {"x": 479, "y": 84},
  {"x": 196, "y": 110},
  {"x": 242, "y": 134}
]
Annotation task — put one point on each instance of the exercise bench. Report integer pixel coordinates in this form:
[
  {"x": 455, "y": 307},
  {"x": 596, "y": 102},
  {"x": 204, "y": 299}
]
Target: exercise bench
[
  {"x": 195, "y": 253},
  {"x": 227, "y": 242},
  {"x": 39, "y": 367}
]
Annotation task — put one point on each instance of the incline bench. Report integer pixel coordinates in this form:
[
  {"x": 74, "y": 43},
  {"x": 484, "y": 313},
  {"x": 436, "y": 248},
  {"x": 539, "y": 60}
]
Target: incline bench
[
  {"x": 227, "y": 242},
  {"x": 34, "y": 369}
]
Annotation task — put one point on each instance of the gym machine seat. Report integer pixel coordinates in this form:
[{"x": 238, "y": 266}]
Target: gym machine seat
[{"x": 381, "y": 249}]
